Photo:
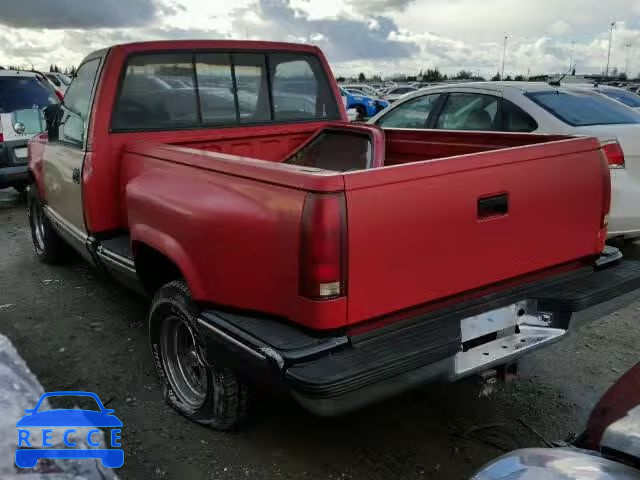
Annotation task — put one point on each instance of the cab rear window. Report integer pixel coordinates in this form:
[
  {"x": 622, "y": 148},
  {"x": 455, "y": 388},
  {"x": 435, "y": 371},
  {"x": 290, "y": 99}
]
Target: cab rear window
[
  {"x": 583, "y": 109},
  {"x": 186, "y": 90}
]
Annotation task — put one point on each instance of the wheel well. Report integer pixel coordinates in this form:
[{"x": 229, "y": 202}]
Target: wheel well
[{"x": 154, "y": 269}]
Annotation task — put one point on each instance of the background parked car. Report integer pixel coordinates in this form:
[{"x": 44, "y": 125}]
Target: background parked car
[
  {"x": 22, "y": 97},
  {"x": 365, "y": 106},
  {"x": 539, "y": 108},
  {"x": 629, "y": 98},
  {"x": 367, "y": 90},
  {"x": 60, "y": 80},
  {"x": 395, "y": 93}
]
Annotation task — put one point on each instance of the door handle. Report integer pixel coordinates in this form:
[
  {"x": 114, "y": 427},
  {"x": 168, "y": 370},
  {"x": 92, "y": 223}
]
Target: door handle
[
  {"x": 493, "y": 206},
  {"x": 75, "y": 175}
]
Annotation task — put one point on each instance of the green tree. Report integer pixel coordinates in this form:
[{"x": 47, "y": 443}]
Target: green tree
[
  {"x": 519, "y": 78},
  {"x": 496, "y": 77},
  {"x": 464, "y": 75},
  {"x": 362, "y": 77}
]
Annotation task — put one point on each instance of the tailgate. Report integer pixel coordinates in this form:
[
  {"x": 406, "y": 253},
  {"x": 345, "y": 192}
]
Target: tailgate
[{"x": 421, "y": 232}]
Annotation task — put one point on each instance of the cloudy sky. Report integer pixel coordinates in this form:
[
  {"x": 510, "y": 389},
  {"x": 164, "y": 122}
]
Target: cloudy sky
[{"x": 374, "y": 36}]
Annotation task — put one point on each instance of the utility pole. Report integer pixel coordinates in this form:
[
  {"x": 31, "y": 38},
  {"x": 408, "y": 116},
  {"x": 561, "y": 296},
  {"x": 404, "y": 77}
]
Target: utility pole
[
  {"x": 504, "y": 53},
  {"x": 571, "y": 54},
  {"x": 626, "y": 68},
  {"x": 611, "y": 27}
]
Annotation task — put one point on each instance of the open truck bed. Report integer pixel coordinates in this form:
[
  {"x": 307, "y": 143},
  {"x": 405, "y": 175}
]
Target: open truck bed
[{"x": 467, "y": 252}]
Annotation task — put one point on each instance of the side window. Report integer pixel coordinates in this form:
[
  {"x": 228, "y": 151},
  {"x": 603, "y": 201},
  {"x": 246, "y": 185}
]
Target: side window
[
  {"x": 514, "y": 119},
  {"x": 251, "y": 87},
  {"x": 77, "y": 104},
  {"x": 300, "y": 88},
  {"x": 158, "y": 91},
  {"x": 410, "y": 114},
  {"x": 215, "y": 88},
  {"x": 469, "y": 111}
]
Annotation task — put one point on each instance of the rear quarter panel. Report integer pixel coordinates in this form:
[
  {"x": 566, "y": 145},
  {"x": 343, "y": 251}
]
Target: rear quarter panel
[{"x": 234, "y": 238}]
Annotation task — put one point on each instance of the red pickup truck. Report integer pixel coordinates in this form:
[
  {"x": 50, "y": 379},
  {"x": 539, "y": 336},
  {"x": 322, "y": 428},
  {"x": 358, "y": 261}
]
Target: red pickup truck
[{"x": 286, "y": 248}]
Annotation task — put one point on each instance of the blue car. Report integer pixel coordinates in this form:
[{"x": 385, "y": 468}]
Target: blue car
[
  {"x": 68, "y": 418},
  {"x": 366, "y": 106}
]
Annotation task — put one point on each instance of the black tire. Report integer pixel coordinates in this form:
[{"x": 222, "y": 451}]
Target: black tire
[
  {"x": 216, "y": 397},
  {"x": 49, "y": 246}
]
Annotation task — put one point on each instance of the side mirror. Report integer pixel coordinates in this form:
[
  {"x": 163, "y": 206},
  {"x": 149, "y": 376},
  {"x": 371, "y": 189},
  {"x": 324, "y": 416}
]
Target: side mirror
[
  {"x": 52, "y": 119},
  {"x": 29, "y": 122}
]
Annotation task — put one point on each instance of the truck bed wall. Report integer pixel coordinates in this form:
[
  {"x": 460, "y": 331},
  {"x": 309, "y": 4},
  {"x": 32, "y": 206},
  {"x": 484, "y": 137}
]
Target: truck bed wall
[{"x": 232, "y": 224}]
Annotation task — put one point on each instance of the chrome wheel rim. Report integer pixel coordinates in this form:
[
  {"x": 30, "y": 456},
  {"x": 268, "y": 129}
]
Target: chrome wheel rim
[
  {"x": 185, "y": 370},
  {"x": 38, "y": 225}
]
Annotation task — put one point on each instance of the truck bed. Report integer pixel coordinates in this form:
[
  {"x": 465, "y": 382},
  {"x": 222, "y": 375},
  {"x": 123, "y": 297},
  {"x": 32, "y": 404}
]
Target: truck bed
[{"x": 440, "y": 214}]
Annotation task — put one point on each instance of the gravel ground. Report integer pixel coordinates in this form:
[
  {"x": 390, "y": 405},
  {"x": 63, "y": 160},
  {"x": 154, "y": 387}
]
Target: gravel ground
[{"x": 79, "y": 330}]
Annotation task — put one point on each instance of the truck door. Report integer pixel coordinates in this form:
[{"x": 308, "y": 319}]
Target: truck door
[{"x": 64, "y": 155}]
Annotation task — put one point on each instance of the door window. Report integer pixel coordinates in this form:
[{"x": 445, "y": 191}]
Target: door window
[
  {"x": 468, "y": 111},
  {"x": 410, "y": 114},
  {"x": 77, "y": 104},
  {"x": 514, "y": 119}
]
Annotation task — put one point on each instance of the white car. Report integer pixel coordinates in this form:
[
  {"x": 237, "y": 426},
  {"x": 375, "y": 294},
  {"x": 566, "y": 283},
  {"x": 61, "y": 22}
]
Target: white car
[
  {"x": 537, "y": 108},
  {"x": 395, "y": 93}
]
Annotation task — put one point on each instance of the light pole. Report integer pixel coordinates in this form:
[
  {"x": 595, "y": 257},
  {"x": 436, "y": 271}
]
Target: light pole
[
  {"x": 504, "y": 53},
  {"x": 571, "y": 54},
  {"x": 611, "y": 27},
  {"x": 626, "y": 68}
]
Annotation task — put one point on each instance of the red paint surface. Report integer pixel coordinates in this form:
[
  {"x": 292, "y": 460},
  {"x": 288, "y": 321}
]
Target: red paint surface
[{"x": 232, "y": 224}]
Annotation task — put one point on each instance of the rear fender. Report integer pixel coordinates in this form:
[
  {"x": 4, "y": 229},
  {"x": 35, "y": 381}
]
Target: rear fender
[{"x": 171, "y": 249}]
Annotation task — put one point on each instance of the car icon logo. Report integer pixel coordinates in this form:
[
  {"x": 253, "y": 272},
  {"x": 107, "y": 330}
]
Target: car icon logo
[{"x": 66, "y": 422}]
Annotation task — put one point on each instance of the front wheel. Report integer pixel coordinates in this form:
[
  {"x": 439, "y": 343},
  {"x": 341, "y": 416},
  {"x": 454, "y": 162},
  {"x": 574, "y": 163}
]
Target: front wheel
[
  {"x": 50, "y": 247},
  {"x": 213, "y": 396}
]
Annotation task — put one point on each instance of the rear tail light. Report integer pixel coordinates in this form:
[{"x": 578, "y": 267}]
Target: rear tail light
[
  {"x": 1, "y": 137},
  {"x": 615, "y": 155},
  {"x": 322, "y": 253},
  {"x": 59, "y": 94}
]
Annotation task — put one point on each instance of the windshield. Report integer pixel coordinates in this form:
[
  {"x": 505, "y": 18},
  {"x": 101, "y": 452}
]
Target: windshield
[
  {"x": 583, "y": 109},
  {"x": 628, "y": 98},
  {"x": 21, "y": 93}
]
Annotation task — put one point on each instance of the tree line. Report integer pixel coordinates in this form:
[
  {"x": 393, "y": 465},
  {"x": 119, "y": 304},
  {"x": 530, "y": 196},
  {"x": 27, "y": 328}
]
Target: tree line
[
  {"x": 52, "y": 68},
  {"x": 434, "y": 75}
]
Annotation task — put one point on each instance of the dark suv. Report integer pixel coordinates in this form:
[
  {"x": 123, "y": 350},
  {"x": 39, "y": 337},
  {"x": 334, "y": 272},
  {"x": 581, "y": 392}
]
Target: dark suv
[{"x": 22, "y": 98}]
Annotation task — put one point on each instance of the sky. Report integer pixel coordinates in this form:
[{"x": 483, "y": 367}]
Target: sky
[{"x": 374, "y": 36}]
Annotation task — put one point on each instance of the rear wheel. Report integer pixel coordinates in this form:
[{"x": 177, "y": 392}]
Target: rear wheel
[
  {"x": 49, "y": 246},
  {"x": 202, "y": 392}
]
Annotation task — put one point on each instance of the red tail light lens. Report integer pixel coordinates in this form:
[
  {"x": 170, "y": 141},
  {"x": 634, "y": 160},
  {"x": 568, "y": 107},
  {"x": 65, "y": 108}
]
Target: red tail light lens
[
  {"x": 615, "y": 155},
  {"x": 322, "y": 254},
  {"x": 59, "y": 94},
  {"x": 1, "y": 137}
]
